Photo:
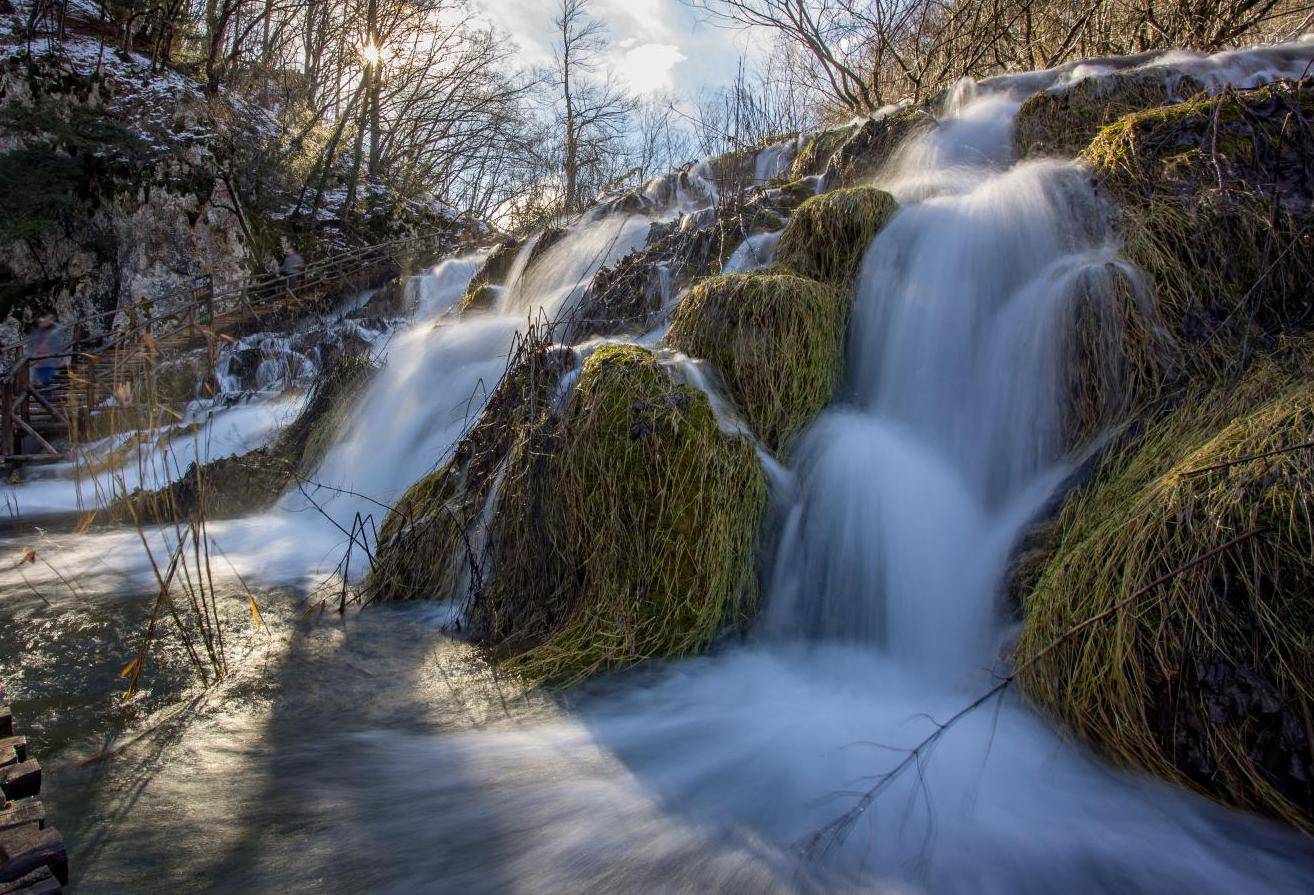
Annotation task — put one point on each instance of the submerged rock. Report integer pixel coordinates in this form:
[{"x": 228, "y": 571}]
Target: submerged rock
[
  {"x": 625, "y": 531},
  {"x": 777, "y": 340},
  {"x": 1192, "y": 551},
  {"x": 1064, "y": 120},
  {"x": 828, "y": 234}
]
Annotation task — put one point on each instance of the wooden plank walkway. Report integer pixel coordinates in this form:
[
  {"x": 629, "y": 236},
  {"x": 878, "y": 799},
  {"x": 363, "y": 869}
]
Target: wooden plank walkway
[{"x": 33, "y": 857}]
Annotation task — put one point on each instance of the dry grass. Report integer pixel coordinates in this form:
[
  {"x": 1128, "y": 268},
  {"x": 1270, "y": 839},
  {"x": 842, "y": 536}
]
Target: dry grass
[
  {"x": 778, "y": 341},
  {"x": 828, "y": 234},
  {"x": 1063, "y": 122},
  {"x": 425, "y": 548},
  {"x": 624, "y": 532},
  {"x": 1206, "y": 678},
  {"x": 1215, "y": 209}
]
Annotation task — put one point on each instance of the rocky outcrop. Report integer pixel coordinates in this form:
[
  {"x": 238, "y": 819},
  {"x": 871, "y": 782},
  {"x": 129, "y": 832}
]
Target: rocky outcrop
[
  {"x": 1167, "y": 609},
  {"x": 1063, "y": 120},
  {"x": 626, "y": 531}
]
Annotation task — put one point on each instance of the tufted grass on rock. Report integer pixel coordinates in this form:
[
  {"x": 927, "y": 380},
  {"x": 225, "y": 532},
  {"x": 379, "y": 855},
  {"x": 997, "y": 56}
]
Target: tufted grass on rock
[
  {"x": 827, "y": 235},
  {"x": 1214, "y": 197},
  {"x": 1062, "y": 122},
  {"x": 624, "y": 532},
  {"x": 820, "y": 148},
  {"x": 424, "y": 546},
  {"x": 777, "y": 340},
  {"x": 1120, "y": 357},
  {"x": 1194, "y": 539}
]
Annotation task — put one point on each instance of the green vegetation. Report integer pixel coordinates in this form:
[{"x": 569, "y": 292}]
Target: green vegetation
[
  {"x": 816, "y": 154},
  {"x": 39, "y": 191},
  {"x": 423, "y": 546},
  {"x": 1194, "y": 542},
  {"x": 1213, "y": 210},
  {"x": 1062, "y": 122},
  {"x": 778, "y": 341},
  {"x": 828, "y": 234},
  {"x": 625, "y": 532}
]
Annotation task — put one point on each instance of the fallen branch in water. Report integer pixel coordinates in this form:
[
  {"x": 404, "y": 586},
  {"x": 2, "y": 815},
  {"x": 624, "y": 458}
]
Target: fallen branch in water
[{"x": 834, "y": 833}]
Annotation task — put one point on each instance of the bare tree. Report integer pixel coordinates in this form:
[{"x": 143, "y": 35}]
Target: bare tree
[{"x": 594, "y": 111}]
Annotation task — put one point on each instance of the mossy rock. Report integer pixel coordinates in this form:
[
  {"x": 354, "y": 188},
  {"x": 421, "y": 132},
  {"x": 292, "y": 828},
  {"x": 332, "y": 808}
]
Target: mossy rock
[
  {"x": 874, "y": 142},
  {"x": 1214, "y": 198},
  {"x": 828, "y": 234},
  {"x": 480, "y": 298},
  {"x": 236, "y": 486},
  {"x": 1120, "y": 357},
  {"x": 815, "y": 156},
  {"x": 1171, "y": 625},
  {"x": 1062, "y": 122},
  {"x": 777, "y": 340},
  {"x": 625, "y": 532},
  {"x": 481, "y": 294},
  {"x": 425, "y": 544}
]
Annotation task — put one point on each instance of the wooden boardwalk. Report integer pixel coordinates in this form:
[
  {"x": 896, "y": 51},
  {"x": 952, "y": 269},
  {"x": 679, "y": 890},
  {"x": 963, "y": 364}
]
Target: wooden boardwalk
[{"x": 33, "y": 857}]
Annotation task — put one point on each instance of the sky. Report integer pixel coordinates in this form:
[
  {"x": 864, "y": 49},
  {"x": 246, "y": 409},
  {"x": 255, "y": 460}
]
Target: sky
[{"x": 655, "y": 45}]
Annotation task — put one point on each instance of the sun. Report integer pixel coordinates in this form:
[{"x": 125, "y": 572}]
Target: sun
[{"x": 371, "y": 54}]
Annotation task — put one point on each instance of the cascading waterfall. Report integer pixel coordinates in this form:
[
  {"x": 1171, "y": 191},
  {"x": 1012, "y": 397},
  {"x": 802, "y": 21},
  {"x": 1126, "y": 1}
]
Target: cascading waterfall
[{"x": 881, "y": 616}]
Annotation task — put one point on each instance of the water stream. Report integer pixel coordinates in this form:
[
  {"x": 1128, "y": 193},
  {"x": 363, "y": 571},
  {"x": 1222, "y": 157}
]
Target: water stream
[{"x": 373, "y": 754}]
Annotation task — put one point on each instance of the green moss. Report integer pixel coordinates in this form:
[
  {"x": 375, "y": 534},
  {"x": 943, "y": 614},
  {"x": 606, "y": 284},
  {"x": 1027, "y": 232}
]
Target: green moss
[
  {"x": 1200, "y": 565},
  {"x": 776, "y": 338},
  {"x": 481, "y": 294},
  {"x": 1121, "y": 358},
  {"x": 874, "y": 143},
  {"x": 480, "y": 298},
  {"x": 828, "y": 234},
  {"x": 1214, "y": 209},
  {"x": 624, "y": 533},
  {"x": 1063, "y": 122},
  {"x": 820, "y": 148},
  {"x": 39, "y": 191}
]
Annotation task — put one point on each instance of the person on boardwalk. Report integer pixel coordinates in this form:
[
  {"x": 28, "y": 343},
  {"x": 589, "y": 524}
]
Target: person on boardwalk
[
  {"x": 47, "y": 346},
  {"x": 292, "y": 265}
]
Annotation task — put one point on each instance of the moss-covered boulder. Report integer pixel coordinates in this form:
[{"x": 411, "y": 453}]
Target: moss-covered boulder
[
  {"x": 873, "y": 143},
  {"x": 628, "y": 296},
  {"x": 1120, "y": 358},
  {"x": 777, "y": 340},
  {"x": 1064, "y": 120},
  {"x": 624, "y": 532},
  {"x": 815, "y": 156},
  {"x": 481, "y": 294},
  {"x": 1214, "y": 198},
  {"x": 828, "y": 234},
  {"x": 427, "y": 547},
  {"x": 1172, "y": 625}
]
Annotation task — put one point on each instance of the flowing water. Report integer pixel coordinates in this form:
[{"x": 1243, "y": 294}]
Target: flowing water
[{"x": 372, "y": 753}]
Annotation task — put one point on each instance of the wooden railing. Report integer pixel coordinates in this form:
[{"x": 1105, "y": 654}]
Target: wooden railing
[{"x": 107, "y": 348}]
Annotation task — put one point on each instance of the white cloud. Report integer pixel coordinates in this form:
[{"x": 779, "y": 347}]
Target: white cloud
[
  {"x": 656, "y": 44},
  {"x": 649, "y": 68}
]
